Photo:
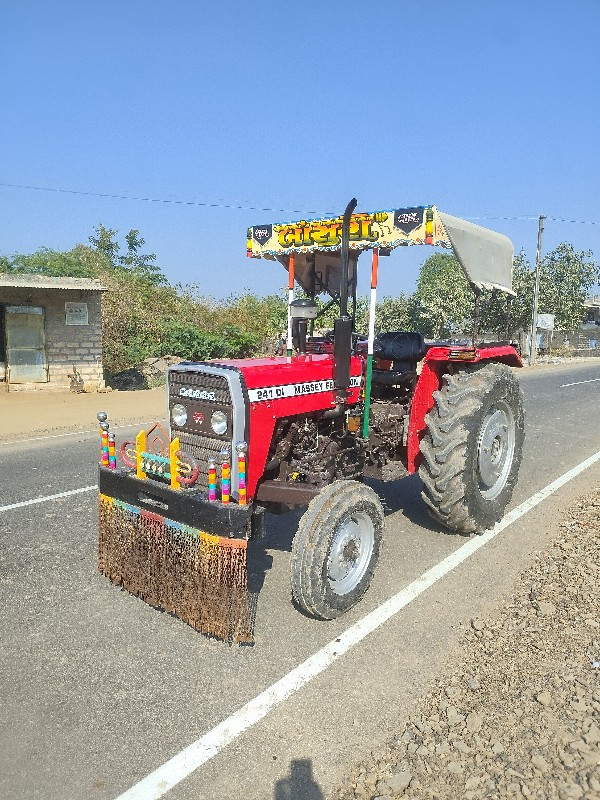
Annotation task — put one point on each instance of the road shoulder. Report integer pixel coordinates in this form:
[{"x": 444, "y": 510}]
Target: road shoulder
[
  {"x": 519, "y": 713},
  {"x": 29, "y": 414}
]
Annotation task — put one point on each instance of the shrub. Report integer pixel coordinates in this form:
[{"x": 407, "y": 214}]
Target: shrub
[{"x": 193, "y": 343}]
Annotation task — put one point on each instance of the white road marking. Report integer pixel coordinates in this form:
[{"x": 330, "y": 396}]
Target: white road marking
[
  {"x": 172, "y": 772},
  {"x": 71, "y": 433},
  {"x": 577, "y": 383},
  {"x": 48, "y": 497},
  {"x": 50, "y": 436}
]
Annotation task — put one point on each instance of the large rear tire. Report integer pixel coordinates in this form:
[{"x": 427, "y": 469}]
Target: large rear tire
[
  {"x": 336, "y": 549},
  {"x": 473, "y": 447}
]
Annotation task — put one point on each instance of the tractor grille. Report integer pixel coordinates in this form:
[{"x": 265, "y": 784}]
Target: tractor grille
[
  {"x": 201, "y": 448},
  {"x": 203, "y": 382},
  {"x": 203, "y": 393}
]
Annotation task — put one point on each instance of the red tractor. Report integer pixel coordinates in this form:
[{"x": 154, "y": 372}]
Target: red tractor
[{"x": 311, "y": 425}]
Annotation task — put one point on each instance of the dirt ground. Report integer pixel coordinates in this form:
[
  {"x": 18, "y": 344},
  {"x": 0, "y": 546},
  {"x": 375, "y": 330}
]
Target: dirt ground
[
  {"x": 519, "y": 714},
  {"x": 39, "y": 413}
]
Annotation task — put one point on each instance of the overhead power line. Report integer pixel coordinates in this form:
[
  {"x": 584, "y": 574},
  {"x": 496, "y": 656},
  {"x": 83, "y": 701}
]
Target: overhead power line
[
  {"x": 241, "y": 207},
  {"x": 528, "y": 218},
  {"x": 533, "y": 217},
  {"x": 156, "y": 199},
  {"x": 576, "y": 221}
]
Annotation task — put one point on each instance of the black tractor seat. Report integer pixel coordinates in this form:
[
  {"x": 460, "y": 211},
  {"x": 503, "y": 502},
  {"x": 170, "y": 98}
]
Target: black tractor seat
[
  {"x": 404, "y": 349},
  {"x": 401, "y": 347}
]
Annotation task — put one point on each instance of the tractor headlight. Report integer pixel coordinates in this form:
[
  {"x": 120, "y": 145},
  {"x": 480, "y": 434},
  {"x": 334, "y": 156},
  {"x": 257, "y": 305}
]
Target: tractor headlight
[
  {"x": 179, "y": 415},
  {"x": 218, "y": 422}
]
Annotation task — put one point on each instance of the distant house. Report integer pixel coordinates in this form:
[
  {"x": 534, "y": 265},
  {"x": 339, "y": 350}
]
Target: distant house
[
  {"x": 50, "y": 332},
  {"x": 592, "y": 312}
]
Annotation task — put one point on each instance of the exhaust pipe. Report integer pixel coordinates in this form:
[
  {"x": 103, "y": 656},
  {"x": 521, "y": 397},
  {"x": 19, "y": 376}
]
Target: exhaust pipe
[{"x": 342, "y": 328}]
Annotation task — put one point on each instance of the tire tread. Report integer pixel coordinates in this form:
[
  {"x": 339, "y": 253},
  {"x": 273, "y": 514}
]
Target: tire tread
[
  {"x": 308, "y": 551},
  {"x": 446, "y": 463}
]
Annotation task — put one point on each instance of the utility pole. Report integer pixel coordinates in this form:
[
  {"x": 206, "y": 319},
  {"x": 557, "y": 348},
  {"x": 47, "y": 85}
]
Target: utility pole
[{"x": 536, "y": 293}]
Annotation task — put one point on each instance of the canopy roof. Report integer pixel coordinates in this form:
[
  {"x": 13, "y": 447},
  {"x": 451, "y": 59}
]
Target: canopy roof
[{"x": 485, "y": 256}]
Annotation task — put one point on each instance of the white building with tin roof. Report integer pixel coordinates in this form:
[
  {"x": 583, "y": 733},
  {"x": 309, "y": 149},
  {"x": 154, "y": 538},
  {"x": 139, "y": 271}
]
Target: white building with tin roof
[{"x": 50, "y": 332}]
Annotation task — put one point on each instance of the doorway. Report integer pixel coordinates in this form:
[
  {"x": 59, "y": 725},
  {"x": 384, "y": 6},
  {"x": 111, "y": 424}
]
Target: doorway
[
  {"x": 2, "y": 345},
  {"x": 25, "y": 344}
]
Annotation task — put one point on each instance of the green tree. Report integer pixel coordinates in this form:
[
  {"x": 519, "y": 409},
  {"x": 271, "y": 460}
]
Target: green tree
[
  {"x": 50, "y": 262},
  {"x": 190, "y": 342},
  {"x": 443, "y": 301},
  {"x": 566, "y": 276},
  {"x": 264, "y": 316},
  {"x": 104, "y": 242},
  {"x": 140, "y": 264},
  {"x": 393, "y": 314},
  {"x": 504, "y": 314},
  {"x": 361, "y": 320}
]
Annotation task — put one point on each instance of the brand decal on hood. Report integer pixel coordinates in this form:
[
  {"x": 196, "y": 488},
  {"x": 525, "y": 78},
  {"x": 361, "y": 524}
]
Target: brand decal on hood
[
  {"x": 197, "y": 394},
  {"x": 296, "y": 389}
]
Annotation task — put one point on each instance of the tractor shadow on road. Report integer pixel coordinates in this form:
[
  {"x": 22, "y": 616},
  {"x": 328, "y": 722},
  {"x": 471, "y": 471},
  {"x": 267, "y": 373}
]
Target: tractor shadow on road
[
  {"x": 280, "y": 531},
  {"x": 404, "y": 495}
]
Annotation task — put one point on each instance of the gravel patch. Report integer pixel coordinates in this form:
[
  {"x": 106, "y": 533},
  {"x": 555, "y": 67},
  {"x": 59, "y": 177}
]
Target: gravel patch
[{"x": 519, "y": 716}]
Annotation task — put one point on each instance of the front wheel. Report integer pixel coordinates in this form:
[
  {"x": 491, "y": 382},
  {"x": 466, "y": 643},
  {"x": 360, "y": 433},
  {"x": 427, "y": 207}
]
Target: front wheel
[
  {"x": 472, "y": 448},
  {"x": 336, "y": 549}
]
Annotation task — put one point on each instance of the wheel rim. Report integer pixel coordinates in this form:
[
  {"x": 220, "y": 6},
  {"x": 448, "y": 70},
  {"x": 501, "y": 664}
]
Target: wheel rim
[
  {"x": 495, "y": 450},
  {"x": 350, "y": 552}
]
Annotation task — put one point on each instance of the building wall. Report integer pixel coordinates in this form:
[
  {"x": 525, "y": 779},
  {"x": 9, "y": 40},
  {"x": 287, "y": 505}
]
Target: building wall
[
  {"x": 584, "y": 341},
  {"x": 67, "y": 346}
]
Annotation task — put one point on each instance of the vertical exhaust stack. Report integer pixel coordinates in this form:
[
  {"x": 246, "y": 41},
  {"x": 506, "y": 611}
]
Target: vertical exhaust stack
[{"x": 342, "y": 328}]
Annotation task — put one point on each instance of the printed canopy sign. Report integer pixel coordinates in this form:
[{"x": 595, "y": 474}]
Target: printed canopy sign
[
  {"x": 381, "y": 229},
  {"x": 485, "y": 256}
]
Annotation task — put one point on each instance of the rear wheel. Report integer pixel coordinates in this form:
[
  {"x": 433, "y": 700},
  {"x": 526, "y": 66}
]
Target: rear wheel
[
  {"x": 472, "y": 448},
  {"x": 336, "y": 549}
]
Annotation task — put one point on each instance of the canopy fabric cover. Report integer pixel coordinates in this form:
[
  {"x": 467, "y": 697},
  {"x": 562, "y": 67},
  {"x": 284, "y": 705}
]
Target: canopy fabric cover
[{"x": 485, "y": 256}]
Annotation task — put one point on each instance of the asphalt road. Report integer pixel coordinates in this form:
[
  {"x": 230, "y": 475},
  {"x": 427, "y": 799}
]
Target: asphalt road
[{"x": 98, "y": 689}]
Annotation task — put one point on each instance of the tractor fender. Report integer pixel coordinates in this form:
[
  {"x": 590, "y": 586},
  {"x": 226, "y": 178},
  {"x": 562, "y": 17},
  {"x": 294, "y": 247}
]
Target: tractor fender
[
  {"x": 262, "y": 425},
  {"x": 435, "y": 364}
]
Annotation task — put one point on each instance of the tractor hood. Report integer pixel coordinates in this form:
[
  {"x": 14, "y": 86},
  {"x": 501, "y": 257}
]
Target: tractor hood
[
  {"x": 485, "y": 256},
  {"x": 280, "y": 377}
]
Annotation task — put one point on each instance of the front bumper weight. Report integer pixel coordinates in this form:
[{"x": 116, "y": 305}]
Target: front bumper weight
[
  {"x": 185, "y": 506},
  {"x": 154, "y": 542}
]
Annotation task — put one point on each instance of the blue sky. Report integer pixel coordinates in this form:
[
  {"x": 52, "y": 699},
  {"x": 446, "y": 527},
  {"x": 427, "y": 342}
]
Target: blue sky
[{"x": 488, "y": 110}]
